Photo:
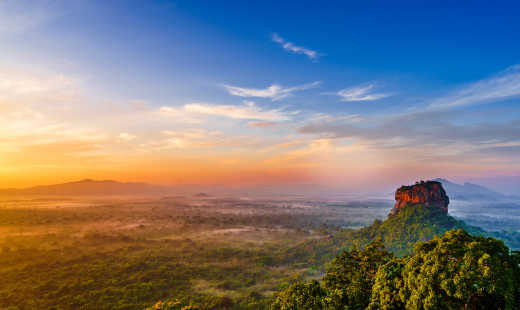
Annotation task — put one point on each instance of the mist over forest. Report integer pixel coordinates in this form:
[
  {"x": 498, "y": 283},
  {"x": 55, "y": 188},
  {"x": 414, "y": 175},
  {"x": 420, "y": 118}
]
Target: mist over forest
[
  {"x": 125, "y": 251},
  {"x": 259, "y": 155}
]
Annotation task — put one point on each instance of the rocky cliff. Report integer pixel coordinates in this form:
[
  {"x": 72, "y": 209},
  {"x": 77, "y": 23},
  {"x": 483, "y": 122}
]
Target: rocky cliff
[{"x": 428, "y": 193}]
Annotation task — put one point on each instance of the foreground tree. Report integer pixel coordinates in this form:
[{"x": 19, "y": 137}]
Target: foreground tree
[
  {"x": 301, "y": 296},
  {"x": 455, "y": 271},
  {"x": 348, "y": 282},
  {"x": 172, "y": 305},
  {"x": 351, "y": 275},
  {"x": 387, "y": 285}
]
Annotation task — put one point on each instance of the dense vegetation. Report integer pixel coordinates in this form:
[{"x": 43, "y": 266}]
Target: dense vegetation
[
  {"x": 205, "y": 254},
  {"x": 373, "y": 278},
  {"x": 412, "y": 224},
  {"x": 455, "y": 271},
  {"x": 215, "y": 253}
]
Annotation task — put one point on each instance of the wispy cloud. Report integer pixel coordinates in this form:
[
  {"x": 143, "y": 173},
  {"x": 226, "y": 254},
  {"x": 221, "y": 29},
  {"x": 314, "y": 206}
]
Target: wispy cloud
[
  {"x": 18, "y": 16},
  {"x": 263, "y": 124},
  {"x": 37, "y": 86},
  {"x": 246, "y": 111},
  {"x": 197, "y": 138},
  {"x": 436, "y": 131},
  {"x": 361, "y": 93},
  {"x": 192, "y": 133},
  {"x": 125, "y": 136},
  {"x": 190, "y": 138},
  {"x": 192, "y": 113},
  {"x": 273, "y": 92},
  {"x": 503, "y": 85},
  {"x": 344, "y": 118},
  {"x": 179, "y": 114},
  {"x": 289, "y": 46}
]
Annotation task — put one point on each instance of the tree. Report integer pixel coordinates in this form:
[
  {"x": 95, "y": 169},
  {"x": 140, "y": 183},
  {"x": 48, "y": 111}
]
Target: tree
[
  {"x": 388, "y": 282},
  {"x": 172, "y": 305},
  {"x": 351, "y": 275},
  {"x": 515, "y": 256},
  {"x": 301, "y": 296},
  {"x": 455, "y": 271}
]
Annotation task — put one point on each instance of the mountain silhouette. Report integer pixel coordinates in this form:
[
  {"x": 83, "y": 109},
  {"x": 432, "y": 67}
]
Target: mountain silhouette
[
  {"x": 470, "y": 191},
  {"x": 89, "y": 187}
]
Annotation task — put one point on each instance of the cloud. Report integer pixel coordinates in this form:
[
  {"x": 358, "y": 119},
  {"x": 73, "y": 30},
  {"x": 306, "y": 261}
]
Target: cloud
[
  {"x": 18, "y": 85},
  {"x": 503, "y": 85},
  {"x": 434, "y": 133},
  {"x": 193, "y": 112},
  {"x": 190, "y": 138},
  {"x": 261, "y": 124},
  {"x": 193, "y": 133},
  {"x": 289, "y": 46},
  {"x": 346, "y": 118},
  {"x": 433, "y": 130},
  {"x": 180, "y": 115},
  {"x": 273, "y": 92},
  {"x": 25, "y": 134},
  {"x": 199, "y": 138},
  {"x": 246, "y": 111},
  {"x": 18, "y": 16},
  {"x": 124, "y": 136},
  {"x": 44, "y": 108},
  {"x": 360, "y": 93}
]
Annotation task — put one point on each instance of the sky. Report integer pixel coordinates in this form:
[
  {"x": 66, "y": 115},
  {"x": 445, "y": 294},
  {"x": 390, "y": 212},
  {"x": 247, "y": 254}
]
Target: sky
[{"x": 343, "y": 94}]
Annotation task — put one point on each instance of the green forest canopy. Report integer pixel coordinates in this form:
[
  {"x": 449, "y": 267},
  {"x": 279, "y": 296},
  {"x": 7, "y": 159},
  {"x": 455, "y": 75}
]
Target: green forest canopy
[
  {"x": 420, "y": 258},
  {"x": 455, "y": 271}
]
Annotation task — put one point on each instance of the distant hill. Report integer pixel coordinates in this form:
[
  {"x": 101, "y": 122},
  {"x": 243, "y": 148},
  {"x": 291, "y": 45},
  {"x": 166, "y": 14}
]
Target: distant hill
[
  {"x": 508, "y": 185},
  {"x": 470, "y": 191},
  {"x": 90, "y": 187}
]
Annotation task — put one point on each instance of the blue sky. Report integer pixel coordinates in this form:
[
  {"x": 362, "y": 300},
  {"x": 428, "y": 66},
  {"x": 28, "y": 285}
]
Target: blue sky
[{"x": 327, "y": 91}]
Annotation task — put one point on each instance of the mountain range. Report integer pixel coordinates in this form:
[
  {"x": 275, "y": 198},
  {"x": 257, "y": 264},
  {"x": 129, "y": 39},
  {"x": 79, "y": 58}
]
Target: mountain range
[
  {"x": 471, "y": 192},
  {"x": 88, "y": 187}
]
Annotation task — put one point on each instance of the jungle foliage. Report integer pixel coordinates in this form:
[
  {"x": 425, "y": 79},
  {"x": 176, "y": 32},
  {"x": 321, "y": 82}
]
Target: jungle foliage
[{"x": 454, "y": 271}]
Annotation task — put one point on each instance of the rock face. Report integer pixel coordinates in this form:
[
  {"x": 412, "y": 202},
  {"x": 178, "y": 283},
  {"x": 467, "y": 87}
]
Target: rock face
[{"x": 428, "y": 193}]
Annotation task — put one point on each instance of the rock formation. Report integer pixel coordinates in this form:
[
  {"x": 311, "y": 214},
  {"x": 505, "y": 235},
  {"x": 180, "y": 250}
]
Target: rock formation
[{"x": 428, "y": 193}]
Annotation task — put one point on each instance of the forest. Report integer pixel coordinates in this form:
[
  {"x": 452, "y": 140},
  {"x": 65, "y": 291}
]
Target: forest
[
  {"x": 213, "y": 253},
  {"x": 454, "y": 271},
  {"x": 418, "y": 259},
  {"x": 130, "y": 254}
]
